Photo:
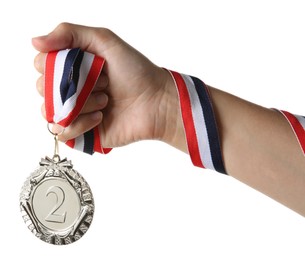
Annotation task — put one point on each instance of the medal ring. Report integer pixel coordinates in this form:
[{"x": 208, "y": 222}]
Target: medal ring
[{"x": 60, "y": 132}]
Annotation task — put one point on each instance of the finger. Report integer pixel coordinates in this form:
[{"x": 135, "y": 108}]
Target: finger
[
  {"x": 81, "y": 125},
  {"x": 43, "y": 111},
  {"x": 95, "y": 102},
  {"x": 56, "y": 129},
  {"x": 40, "y": 85},
  {"x": 101, "y": 83},
  {"x": 67, "y": 35},
  {"x": 39, "y": 62}
]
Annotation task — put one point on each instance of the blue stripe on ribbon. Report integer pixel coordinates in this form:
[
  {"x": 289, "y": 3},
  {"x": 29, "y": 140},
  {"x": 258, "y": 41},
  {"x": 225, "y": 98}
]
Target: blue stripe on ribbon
[
  {"x": 89, "y": 142},
  {"x": 211, "y": 125},
  {"x": 69, "y": 81},
  {"x": 68, "y": 87}
]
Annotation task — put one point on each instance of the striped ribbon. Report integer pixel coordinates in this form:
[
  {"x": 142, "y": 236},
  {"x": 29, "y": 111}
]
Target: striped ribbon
[
  {"x": 70, "y": 76},
  {"x": 199, "y": 122},
  {"x": 297, "y": 124},
  {"x": 201, "y": 127}
]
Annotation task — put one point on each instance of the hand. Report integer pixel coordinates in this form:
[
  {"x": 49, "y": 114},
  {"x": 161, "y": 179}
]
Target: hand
[{"x": 133, "y": 99}]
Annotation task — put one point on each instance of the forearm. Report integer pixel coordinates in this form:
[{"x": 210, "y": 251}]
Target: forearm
[{"x": 259, "y": 149}]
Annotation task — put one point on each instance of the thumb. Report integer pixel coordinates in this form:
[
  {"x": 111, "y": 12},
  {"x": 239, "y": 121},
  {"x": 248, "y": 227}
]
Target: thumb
[{"x": 67, "y": 35}]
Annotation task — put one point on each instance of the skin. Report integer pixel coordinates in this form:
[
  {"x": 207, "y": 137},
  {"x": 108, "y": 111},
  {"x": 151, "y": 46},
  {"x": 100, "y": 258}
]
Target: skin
[{"x": 258, "y": 145}]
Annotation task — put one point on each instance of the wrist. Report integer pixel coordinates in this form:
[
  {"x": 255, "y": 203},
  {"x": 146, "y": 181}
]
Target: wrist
[{"x": 169, "y": 122}]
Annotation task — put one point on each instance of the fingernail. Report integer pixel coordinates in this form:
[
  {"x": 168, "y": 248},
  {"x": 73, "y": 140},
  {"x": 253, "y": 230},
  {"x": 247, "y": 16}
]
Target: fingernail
[
  {"x": 40, "y": 37},
  {"x": 57, "y": 129},
  {"x": 96, "y": 116},
  {"x": 101, "y": 99}
]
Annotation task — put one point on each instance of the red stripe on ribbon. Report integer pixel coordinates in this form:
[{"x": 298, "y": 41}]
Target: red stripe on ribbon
[
  {"x": 188, "y": 121},
  {"x": 71, "y": 143},
  {"x": 297, "y": 128},
  {"x": 49, "y": 80},
  {"x": 91, "y": 79}
]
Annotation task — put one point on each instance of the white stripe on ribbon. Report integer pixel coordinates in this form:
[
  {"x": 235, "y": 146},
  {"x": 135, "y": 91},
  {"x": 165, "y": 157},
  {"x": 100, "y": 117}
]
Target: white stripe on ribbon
[
  {"x": 58, "y": 72},
  {"x": 199, "y": 123},
  {"x": 79, "y": 143}
]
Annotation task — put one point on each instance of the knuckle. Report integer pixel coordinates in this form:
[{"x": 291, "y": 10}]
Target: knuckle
[
  {"x": 105, "y": 34},
  {"x": 64, "y": 26},
  {"x": 106, "y": 31}
]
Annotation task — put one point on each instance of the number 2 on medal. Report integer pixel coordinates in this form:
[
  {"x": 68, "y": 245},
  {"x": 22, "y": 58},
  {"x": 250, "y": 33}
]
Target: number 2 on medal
[{"x": 60, "y": 198}]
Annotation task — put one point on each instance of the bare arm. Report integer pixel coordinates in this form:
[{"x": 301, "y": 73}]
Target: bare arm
[{"x": 260, "y": 149}]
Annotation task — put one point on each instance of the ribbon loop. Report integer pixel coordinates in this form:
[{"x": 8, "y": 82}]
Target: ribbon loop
[
  {"x": 199, "y": 122},
  {"x": 70, "y": 76}
]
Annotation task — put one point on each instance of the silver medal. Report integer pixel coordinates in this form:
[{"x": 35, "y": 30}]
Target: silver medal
[{"x": 56, "y": 202}]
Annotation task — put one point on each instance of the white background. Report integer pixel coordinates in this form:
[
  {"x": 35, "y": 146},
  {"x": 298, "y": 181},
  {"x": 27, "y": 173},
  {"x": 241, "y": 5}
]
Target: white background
[{"x": 151, "y": 203}]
